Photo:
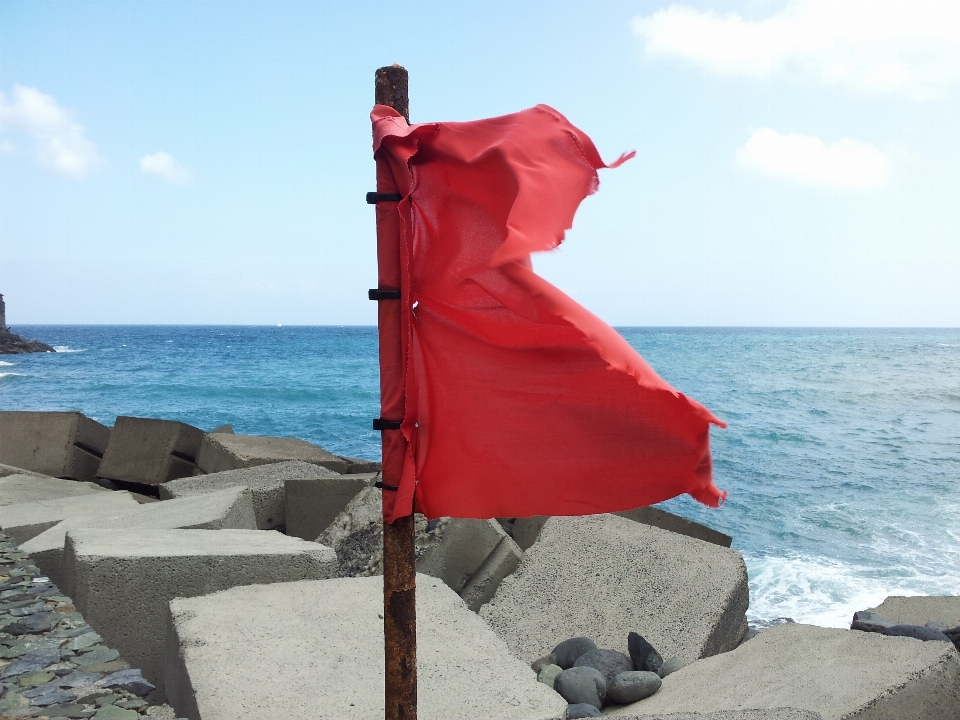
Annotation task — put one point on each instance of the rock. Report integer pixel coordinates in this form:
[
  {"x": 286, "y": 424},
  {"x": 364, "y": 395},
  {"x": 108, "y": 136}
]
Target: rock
[
  {"x": 919, "y": 609},
  {"x": 129, "y": 680},
  {"x": 610, "y": 663},
  {"x": 35, "y": 624},
  {"x": 870, "y": 622},
  {"x": 97, "y": 656},
  {"x": 35, "y": 679},
  {"x": 84, "y": 641},
  {"x": 112, "y": 712},
  {"x": 671, "y": 665},
  {"x": 32, "y": 661},
  {"x": 568, "y": 651},
  {"x": 937, "y": 625},
  {"x": 107, "y": 667},
  {"x": 54, "y": 698},
  {"x": 918, "y": 632},
  {"x": 13, "y": 344},
  {"x": 631, "y": 686},
  {"x": 643, "y": 654},
  {"x": 548, "y": 674},
  {"x": 582, "y": 710},
  {"x": 538, "y": 664},
  {"x": 581, "y": 685},
  {"x": 79, "y": 678}
]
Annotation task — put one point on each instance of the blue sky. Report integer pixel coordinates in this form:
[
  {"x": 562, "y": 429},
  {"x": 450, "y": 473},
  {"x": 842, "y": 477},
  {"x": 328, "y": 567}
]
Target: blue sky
[{"x": 798, "y": 163}]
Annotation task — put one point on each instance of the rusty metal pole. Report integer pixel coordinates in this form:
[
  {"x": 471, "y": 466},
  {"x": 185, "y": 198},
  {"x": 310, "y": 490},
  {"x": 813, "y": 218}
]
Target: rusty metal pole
[{"x": 399, "y": 563}]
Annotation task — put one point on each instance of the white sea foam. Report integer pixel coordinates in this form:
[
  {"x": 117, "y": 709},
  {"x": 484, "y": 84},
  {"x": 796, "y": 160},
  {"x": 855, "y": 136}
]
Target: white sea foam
[
  {"x": 65, "y": 349},
  {"x": 826, "y": 591},
  {"x": 3, "y": 363},
  {"x": 11, "y": 374}
]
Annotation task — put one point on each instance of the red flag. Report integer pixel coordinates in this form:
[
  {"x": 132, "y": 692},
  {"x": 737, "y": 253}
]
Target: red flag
[{"x": 516, "y": 400}]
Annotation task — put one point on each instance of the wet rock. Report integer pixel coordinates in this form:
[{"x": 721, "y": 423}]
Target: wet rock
[
  {"x": 548, "y": 674},
  {"x": 867, "y": 621},
  {"x": 130, "y": 680},
  {"x": 643, "y": 655},
  {"x": 582, "y": 710},
  {"x": 581, "y": 685},
  {"x": 568, "y": 651},
  {"x": 629, "y": 687},
  {"x": 609, "y": 662},
  {"x": 918, "y": 632}
]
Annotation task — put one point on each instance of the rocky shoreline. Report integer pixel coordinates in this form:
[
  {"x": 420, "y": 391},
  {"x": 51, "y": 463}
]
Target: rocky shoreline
[{"x": 12, "y": 344}]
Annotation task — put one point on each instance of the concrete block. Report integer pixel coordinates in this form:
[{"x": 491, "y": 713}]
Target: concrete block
[
  {"x": 123, "y": 580},
  {"x": 59, "y": 444},
  {"x": 311, "y": 504},
  {"x": 837, "y": 673},
  {"x": 674, "y": 523},
  {"x": 150, "y": 452},
  {"x": 227, "y": 508},
  {"x": 357, "y": 466},
  {"x": 266, "y": 483},
  {"x": 219, "y": 452},
  {"x": 25, "y": 521},
  {"x": 19, "y": 489},
  {"x": 765, "y": 714},
  {"x": 921, "y": 609},
  {"x": 603, "y": 576},
  {"x": 524, "y": 531},
  {"x": 314, "y": 650},
  {"x": 461, "y": 548}
]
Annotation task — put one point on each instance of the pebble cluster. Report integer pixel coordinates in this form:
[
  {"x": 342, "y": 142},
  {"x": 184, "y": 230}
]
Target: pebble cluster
[
  {"x": 590, "y": 678},
  {"x": 52, "y": 664}
]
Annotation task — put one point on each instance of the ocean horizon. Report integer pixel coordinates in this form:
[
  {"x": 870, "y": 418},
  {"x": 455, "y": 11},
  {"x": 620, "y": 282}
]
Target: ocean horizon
[{"x": 841, "y": 459}]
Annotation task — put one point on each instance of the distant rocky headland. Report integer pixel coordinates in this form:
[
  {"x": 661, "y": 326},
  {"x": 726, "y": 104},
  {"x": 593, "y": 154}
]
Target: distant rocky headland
[{"x": 12, "y": 344}]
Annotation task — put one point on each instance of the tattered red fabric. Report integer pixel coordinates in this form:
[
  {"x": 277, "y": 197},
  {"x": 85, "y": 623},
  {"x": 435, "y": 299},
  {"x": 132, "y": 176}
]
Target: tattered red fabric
[{"x": 516, "y": 401}]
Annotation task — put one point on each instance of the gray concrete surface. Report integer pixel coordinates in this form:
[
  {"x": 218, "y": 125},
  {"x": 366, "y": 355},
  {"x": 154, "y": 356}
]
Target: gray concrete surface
[
  {"x": 314, "y": 651},
  {"x": 219, "y": 452},
  {"x": 311, "y": 504},
  {"x": 227, "y": 508},
  {"x": 19, "y": 489},
  {"x": 765, "y": 714},
  {"x": 840, "y": 674},
  {"x": 603, "y": 576},
  {"x": 150, "y": 452},
  {"x": 674, "y": 523},
  {"x": 123, "y": 580},
  {"x": 25, "y": 521},
  {"x": 920, "y": 609},
  {"x": 359, "y": 466},
  {"x": 8, "y": 470},
  {"x": 59, "y": 444},
  {"x": 266, "y": 483}
]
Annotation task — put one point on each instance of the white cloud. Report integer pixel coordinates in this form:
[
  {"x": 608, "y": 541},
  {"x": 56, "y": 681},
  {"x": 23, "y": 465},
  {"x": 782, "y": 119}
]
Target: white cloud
[
  {"x": 912, "y": 48},
  {"x": 165, "y": 167},
  {"x": 807, "y": 160},
  {"x": 59, "y": 139}
]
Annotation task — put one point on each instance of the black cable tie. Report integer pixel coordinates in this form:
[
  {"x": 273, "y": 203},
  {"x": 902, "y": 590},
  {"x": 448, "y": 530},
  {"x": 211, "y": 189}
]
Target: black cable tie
[
  {"x": 381, "y": 424},
  {"x": 374, "y": 197},
  {"x": 377, "y": 294},
  {"x": 380, "y": 486}
]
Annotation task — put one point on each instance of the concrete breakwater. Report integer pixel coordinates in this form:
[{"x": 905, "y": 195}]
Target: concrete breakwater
[{"x": 239, "y": 574}]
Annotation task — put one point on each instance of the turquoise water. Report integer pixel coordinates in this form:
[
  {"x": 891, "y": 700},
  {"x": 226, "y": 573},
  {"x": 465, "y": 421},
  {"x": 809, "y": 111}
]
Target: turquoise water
[{"x": 842, "y": 458}]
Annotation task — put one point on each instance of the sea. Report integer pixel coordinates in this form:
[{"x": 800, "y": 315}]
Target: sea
[{"x": 841, "y": 459}]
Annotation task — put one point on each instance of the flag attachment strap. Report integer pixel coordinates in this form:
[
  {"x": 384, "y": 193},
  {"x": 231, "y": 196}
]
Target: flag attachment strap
[
  {"x": 381, "y": 486},
  {"x": 376, "y": 294},
  {"x": 381, "y": 424},
  {"x": 374, "y": 197}
]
